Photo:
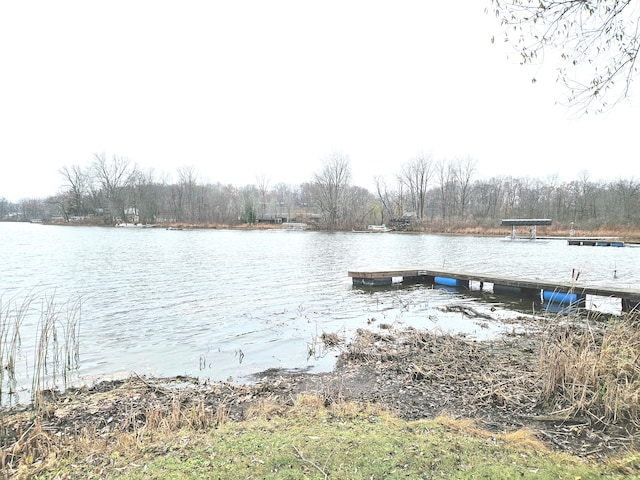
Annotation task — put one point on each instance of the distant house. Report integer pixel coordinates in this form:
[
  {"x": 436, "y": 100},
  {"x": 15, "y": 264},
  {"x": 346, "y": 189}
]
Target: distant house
[
  {"x": 271, "y": 218},
  {"x": 404, "y": 222}
]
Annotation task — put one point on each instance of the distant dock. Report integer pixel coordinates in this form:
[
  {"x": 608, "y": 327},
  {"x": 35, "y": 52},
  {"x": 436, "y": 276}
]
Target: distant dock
[
  {"x": 596, "y": 242},
  {"x": 557, "y": 292}
]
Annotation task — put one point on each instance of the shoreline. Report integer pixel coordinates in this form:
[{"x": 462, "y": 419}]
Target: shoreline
[
  {"x": 414, "y": 374},
  {"x": 561, "y": 232}
]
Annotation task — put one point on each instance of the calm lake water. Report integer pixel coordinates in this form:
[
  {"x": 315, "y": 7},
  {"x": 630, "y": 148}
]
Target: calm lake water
[{"x": 224, "y": 304}]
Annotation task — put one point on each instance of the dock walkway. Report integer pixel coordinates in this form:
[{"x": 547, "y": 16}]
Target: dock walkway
[{"x": 561, "y": 292}]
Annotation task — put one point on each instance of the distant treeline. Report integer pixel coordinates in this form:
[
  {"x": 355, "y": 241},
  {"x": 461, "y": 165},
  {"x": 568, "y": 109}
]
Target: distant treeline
[{"x": 424, "y": 193}]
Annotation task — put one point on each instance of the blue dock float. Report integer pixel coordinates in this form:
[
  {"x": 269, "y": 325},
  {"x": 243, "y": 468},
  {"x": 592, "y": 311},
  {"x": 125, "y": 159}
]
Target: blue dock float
[
  {"x": 562, "y": 293},
  {"x": 450, "y": 282},
  {"x": 564, "y": 298}
]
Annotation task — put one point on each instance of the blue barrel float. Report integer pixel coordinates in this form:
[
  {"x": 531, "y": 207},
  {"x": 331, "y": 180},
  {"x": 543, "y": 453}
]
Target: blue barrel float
[
  {"x": 450, "y": 282},
  {"x": 563, "y": 298}
]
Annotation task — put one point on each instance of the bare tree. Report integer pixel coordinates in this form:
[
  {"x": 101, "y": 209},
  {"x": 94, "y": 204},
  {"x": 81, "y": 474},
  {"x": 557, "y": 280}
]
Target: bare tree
[
  {"x": 185, "y": 193},
  {"x": 511, "y": 202},
  {"x": 596, "y": 40},
  {"x": 488, "y": 199},
  {"x": 4, "y": 208},
  {"x": 386, "y": 198},
  {"x": 144, "y": 196},
  {"x": 463, "y": 170},
  {"x": 233, "y": 206},
  {"x": 112, "y": 176},
  {"x": 626, "y": 193},
  {"x": 446, "y": 188},
  {"x": 415, "y": 176},
  {"x": 32, "y": 209},
  {"x": 262, "y": 183},
  {"x": 360, "y": 207},
  {"x": 76, "y": 182},
  {"x": 331, "y": 184},
  {"x": 284, "y": 200},
  {"x": 584, "y": 192}
]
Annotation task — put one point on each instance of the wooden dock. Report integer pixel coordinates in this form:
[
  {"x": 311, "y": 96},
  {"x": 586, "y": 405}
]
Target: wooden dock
[
  {"x": 562, "y": 292},
  {"x": 596, "y": 242}
]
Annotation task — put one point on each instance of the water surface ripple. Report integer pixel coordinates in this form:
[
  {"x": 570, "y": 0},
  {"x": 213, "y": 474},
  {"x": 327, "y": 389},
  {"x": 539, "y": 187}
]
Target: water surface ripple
[{"x": 223, "y": 304}]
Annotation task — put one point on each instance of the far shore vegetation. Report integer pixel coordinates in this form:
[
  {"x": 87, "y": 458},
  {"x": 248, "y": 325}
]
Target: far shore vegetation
[{"x": 426, "y": 195}]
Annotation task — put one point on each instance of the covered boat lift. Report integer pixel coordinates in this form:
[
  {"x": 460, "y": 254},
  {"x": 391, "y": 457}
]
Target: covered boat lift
[{"x": 532, "y": 223}]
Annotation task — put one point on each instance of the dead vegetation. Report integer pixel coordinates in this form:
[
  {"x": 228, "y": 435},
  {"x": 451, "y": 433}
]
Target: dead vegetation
[
  {"x": 118, "y": 412},
  {"x": 574, "y": 384},
  {"x": 56, "y": 350},
  {"x": 591, "y": 370},
  {"x": 426, "y": 373}
]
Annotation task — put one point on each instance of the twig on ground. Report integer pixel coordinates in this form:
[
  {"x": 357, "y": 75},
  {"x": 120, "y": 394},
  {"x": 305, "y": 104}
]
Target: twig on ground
[{"x": 313, "y": 464}]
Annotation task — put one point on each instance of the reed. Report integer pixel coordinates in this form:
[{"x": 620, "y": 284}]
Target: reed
[
  {"x": 12, "y": 316},
  {"x": 321, "y": 345},
  {"x": 57, "y": 346},
  {"x": 592, "y": 370}
]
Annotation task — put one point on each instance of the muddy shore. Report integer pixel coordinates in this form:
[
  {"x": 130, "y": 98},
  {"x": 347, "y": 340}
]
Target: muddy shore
[{"x": 415, "y": 374}]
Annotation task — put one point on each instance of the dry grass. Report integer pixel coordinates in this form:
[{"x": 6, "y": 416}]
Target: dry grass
[
  {"x": 308, "y": 405},
  {"x": 29, "y": 452},
  {"x": 466, "y": 426},
  {"x": 306, "y": 440},
  {"x": 522, "y": 437},
  {"x": 593, "y": 370},
  {"x": 264, "y": 408},
  {"x": 33, "y": 450}
]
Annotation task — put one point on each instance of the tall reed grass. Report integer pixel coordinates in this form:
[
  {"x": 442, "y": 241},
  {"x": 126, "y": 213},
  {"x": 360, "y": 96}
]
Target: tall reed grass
[
  {"x": 592, "y": 369},
  {"x": 12, "y": 316},
  {"x": 56, "y": 347}
]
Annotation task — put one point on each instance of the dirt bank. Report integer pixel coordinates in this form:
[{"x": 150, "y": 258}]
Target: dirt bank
[{"x": 416, "y": 374}]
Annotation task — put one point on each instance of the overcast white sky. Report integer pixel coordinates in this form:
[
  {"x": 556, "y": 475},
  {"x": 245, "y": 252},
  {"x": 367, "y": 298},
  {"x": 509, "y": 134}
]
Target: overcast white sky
[{"x": 238, "y": 89}]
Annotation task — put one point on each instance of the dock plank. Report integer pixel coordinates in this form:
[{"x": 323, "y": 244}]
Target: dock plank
[{"x": 578, "y": 288}]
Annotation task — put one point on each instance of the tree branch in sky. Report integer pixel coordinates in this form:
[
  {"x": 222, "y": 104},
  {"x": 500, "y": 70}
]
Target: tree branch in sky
[{"x": 596, "y": 40}]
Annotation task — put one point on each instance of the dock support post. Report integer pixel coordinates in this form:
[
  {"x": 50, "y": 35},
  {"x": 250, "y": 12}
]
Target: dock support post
[
  {"x": 532, "y": 293},
  {"x": 499, "y": 289},
  {"x": 417, "y": 279},
  {"x": 506, "y": 290},
  {"x": 630, "y": 305},
  {"x": 372, "y": 282}
]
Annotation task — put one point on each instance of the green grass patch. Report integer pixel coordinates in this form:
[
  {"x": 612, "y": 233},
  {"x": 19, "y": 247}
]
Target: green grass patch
[{"x": 313, "y": 442}]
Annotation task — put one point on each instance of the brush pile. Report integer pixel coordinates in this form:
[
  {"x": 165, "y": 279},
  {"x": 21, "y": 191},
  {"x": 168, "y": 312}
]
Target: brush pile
[{"x": 427, "y": 373}]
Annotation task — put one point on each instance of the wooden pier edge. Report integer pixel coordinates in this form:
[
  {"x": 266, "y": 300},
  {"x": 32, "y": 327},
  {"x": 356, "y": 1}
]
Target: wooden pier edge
[{"x": 630, "y": 298}]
